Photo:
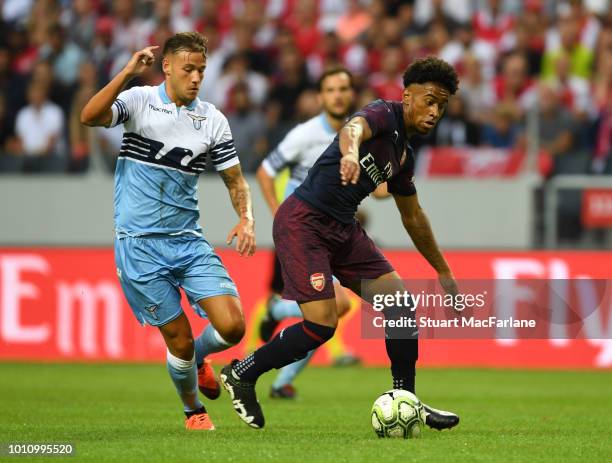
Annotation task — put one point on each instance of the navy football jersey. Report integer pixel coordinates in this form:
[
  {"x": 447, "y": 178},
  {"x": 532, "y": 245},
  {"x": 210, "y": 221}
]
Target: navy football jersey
[{"x": 386, "y": 157}]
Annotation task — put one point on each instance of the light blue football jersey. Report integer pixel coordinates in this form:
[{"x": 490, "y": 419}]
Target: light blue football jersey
[{"x": 164, "y": 149}]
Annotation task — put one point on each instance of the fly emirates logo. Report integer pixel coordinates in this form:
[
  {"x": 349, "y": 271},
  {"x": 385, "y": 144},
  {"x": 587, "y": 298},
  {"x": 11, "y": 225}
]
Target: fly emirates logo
[
  {"x": 369, "y": 165},
  {"x": 71, "y": 317}
]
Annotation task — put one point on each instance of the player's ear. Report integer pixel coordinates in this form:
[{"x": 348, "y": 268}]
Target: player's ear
[
  {"x": 166, "y": 65},
  {"x": 407, "y": 96}
]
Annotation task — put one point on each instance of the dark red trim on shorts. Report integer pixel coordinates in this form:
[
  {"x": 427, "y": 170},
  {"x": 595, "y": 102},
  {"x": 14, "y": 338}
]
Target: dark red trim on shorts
[{"x": 311, "y": 334}]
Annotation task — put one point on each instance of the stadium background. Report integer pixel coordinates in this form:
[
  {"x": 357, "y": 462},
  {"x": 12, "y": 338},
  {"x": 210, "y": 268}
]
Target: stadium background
[{"x": 516, "y": 178}]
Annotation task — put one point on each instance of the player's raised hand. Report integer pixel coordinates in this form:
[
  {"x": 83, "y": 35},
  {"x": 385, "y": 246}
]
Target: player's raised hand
[
  {"x": 349, "y": 169},
  {"x": 245, "y": 232},
  {"x": 141, "y": 60}
]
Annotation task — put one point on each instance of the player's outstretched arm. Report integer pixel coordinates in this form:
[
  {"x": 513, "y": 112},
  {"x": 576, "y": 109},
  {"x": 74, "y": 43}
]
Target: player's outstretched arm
[
  {"x": 240, "y": 195},
  {"x": 266, "y": 184},
  {"x": 354, "y": 132},
  {"x": 417, "y": 225},
  {"x": 97, "y": 111}
]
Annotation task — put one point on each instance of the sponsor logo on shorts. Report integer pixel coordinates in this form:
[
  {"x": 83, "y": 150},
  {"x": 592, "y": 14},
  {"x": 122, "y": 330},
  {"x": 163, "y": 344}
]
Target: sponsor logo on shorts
[
  {"x": 317, "y": 280},
  {"x": 152, "y": 309},
  {"x": 227, "y": 285}
]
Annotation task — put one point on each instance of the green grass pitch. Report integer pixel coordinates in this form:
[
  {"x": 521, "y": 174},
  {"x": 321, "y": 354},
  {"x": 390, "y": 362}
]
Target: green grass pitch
[{"x": 129, "y": 412}]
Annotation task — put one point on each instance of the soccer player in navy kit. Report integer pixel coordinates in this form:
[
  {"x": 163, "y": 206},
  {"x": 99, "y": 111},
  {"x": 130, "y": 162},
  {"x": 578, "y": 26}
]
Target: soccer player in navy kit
[{"x": 316, "y": 234}]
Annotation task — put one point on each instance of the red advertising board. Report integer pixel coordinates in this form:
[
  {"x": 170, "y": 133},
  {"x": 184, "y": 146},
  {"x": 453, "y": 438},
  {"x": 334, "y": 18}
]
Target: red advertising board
[
  {"x": 597, "y": 208},
  {"x": 66, "y": 304}
]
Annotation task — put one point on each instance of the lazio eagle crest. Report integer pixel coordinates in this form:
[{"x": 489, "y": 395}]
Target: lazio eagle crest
[{"x": 197, "y": 120}]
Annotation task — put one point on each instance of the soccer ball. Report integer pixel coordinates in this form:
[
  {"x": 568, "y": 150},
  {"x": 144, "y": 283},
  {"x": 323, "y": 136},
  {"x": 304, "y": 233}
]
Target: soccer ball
[{"x": 397, "y": 413}]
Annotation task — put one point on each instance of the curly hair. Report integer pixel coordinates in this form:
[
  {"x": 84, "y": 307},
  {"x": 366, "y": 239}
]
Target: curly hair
[{"x": 432, "y": 69}]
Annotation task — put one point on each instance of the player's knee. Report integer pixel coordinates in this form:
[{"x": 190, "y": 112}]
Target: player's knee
[
  {"x": 232, "y": 331},
  {"x": 182, "y": 347}
]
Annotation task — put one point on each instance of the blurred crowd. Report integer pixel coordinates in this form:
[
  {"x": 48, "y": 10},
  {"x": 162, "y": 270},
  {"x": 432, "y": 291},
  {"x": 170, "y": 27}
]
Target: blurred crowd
[{"x": 513, "y": 57}]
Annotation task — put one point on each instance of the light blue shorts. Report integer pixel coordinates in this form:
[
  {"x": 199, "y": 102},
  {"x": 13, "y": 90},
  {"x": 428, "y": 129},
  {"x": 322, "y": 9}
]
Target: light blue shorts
[{"x": 152, "y": 269}]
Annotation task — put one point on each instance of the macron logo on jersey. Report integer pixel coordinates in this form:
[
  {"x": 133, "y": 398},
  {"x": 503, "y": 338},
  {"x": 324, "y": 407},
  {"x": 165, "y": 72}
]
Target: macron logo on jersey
[{"x": 160, "y": 110}]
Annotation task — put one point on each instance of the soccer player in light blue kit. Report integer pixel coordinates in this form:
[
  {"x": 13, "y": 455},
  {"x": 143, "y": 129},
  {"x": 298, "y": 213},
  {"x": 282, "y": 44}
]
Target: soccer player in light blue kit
[{"x": 159, "y": 247}]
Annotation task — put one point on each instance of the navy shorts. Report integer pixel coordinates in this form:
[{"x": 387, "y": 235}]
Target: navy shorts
[{"x": 312, "y": 246}]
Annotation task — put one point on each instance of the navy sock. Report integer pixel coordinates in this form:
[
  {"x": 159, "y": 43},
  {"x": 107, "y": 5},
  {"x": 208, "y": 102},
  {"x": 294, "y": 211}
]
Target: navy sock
[
  {"x": 403, "y": 354},
  {"x": 291, "y": 344}
]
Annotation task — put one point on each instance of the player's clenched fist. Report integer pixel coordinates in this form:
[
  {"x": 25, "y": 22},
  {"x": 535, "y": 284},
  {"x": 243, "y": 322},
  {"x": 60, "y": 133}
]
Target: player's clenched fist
[
  {"x": 140, "y": 61},
  {"x": 349, "y": 169}
]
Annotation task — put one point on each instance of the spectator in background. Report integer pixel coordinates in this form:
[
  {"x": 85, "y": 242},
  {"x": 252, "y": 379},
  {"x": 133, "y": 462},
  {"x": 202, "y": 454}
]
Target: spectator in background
[
  {"x": 492, "y": 22},
  {"x": 502, "y": 131},
  {"x": 290, "y": 79},
  {"x": 39, "y": 128},
  {"x": 129, "y": 31},
  {"x": 24, "y": 53},
  {"x": 104, "y": 52},
  {"x": 79, "y": 134},
  {"x": 451, "y": 13},
  {"x": 14, "y": 11},
  {"x": 476, "y": 91},
  {"x": 602, "y": 153},
  {"x": 574, "y": 91},
  {"x": 242, "y": 41},
  {"x": 580, "y": 55},
  {"x": 455, "y": 128},
  {"x": 44, "y": 14},
  {"x": 513, "y": 88},
  {"x": 387, "y": 84},
  {"x": 354, "y": 22},
  {"x": 303, "y": 25},
  {"x": 465, "y": 42},
  {"x": 64, "y": 55},
  {"x": 167, "y": 13},
  {"x": 215, "y": 59},
  {"x": 248, "y": 127},
  {"x": 10, "y": 161},
  {"x": 527, "y": 37},
  {"x": 236, "y": 69},
  {"x": 556, "y": 128},
  {"x": 602, "y": 79},
  {"x": 80, "y": 23}
]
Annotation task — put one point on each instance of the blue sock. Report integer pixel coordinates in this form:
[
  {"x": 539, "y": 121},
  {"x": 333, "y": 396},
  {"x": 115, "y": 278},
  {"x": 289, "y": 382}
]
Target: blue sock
[
  {"x": 288, "y": 373},
  {"x": 184, "y": 374},
  {"x": 209, "y": 342},
  {"x": 284, "y": 308}
]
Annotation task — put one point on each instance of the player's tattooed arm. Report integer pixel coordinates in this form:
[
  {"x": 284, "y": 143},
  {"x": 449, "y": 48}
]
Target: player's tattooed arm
[
  {"x": 240, "y": 194},
  {"x": 417, "y": 225},
  {"x": 97, "y": 111},
  {"x": 354, "y": 132}
]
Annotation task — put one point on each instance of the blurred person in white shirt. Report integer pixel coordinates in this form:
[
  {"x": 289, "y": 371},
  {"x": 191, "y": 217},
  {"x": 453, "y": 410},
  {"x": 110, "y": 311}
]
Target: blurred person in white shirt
[{"x": 39, "y": 128}]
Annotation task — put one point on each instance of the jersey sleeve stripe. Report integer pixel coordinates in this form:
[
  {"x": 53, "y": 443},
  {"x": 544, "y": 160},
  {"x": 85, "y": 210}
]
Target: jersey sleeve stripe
[
  {"x": 227, "y": 164},
  {"x": 224, "y": 144},
  {"x": 224, "y": 159},
  {"x": 122, "y": 113},
  {"x": 277, "y": 160},
  {"x": 220, "y": 154}
]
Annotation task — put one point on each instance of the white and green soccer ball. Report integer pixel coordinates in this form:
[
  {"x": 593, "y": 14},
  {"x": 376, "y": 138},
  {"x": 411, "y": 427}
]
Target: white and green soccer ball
[{"x": 397, "y": 413}]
